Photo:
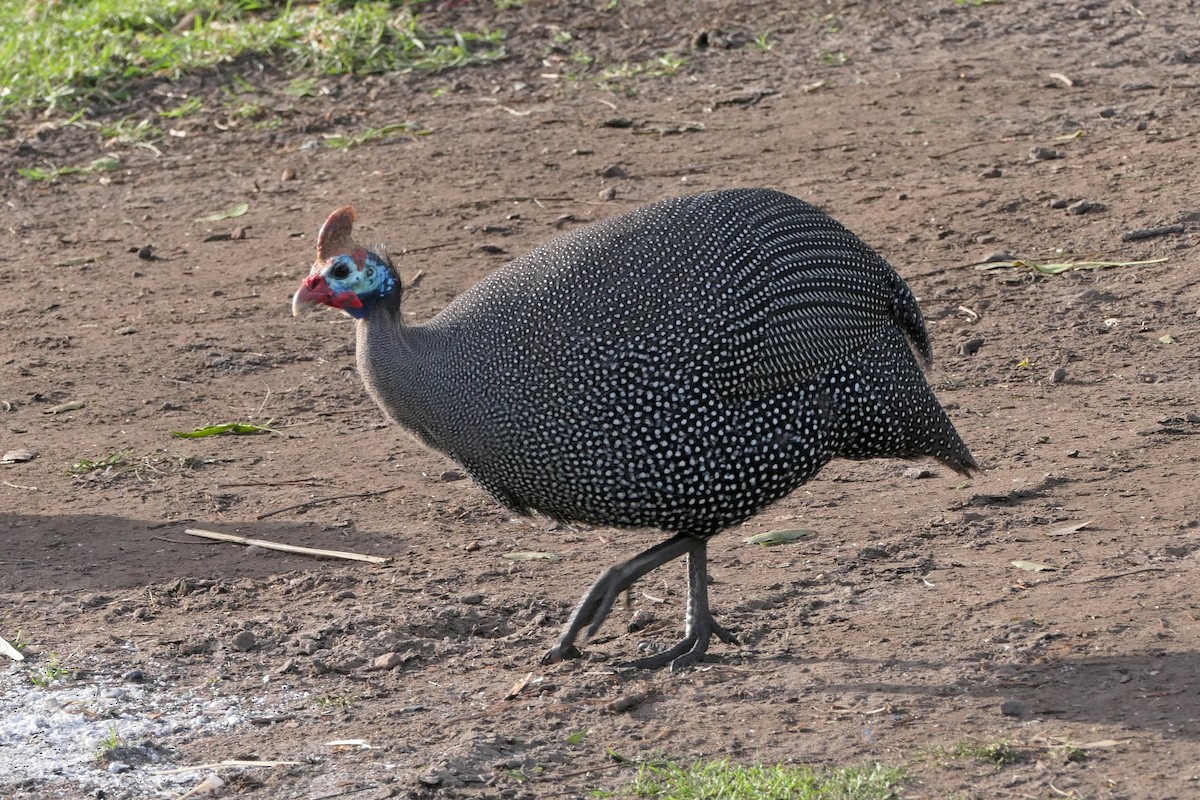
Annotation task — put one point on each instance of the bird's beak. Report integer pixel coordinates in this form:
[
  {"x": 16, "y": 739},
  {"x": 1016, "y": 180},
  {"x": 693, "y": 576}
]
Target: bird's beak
[{"x": 312, "y": 291}]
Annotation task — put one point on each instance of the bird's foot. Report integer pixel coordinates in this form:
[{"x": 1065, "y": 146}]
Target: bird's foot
[{"x": 690, "y": 650}]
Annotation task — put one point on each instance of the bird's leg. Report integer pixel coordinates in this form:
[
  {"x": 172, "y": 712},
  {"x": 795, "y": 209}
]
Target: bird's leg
[
  {"x": 599, "y": 599},
  {"x": 700, "y": 626}
]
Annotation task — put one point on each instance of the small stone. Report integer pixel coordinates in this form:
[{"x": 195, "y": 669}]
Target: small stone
[
  {"x": 1108, "y": 113},
  {"x": 608, "y": 193},
  {"x": 985, "y": 238},
  {"x": 134, "y": 676},
  {"x": 471, "y": 546},
  {"x": 387, "y": 661},
  {"x": 916, "y": 473},
  {"x": 493, "y": 249},
  {"x": 617, "y": 122},
  {"x": 345, "y": 595},
  {"x": 126, "y": 330},
  {"x": 1044, "y": 154},
  {"x": 994, "y": 172},
  {"x": 970, "y": 347},
  {"x": 472, "y": 599},
  {"x": 118, "y": 767},
  {"x": 1084, "y": 207},
  {"x": 1013, "y": 708},
  {"x": 237, "y": 233},
  {"x": 243, "y": 641},
  {"x": 1060, "y": 202},
  {"x": 288, "y": 174},
  {"x": 146, "y": 253},
  {"x": 640, "y": 619},
  {"x": 613, "y": 171},
  {"x": 1059, "y": 375},
  {"x": 194, "y": 647},
  {"x": 451, "y": 475},
  {"x": 902, "y": 196}
]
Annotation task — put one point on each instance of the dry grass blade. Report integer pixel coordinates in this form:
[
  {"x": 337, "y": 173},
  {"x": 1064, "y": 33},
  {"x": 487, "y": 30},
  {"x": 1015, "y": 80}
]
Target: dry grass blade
[{"x": 1062, "y": 266}]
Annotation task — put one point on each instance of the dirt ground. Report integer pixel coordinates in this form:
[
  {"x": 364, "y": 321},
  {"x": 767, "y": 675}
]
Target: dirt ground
[{"x": 941, "y": 132}]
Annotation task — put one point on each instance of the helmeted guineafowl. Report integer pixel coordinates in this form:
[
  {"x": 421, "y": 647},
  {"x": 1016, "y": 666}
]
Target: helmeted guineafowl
[{"x": 678, "y": 367}]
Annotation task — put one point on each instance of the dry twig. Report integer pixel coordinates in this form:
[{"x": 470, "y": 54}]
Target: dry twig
[{"x": 286, "y": 548}]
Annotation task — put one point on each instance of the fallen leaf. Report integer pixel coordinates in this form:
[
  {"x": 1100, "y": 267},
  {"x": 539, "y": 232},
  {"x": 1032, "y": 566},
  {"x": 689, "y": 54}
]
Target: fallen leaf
[
  {"x": 1033, "y": 566},
  {"x": 62, "y": 407},
  {"x": 17, "y": 456},
  {"x": 235, "y": 428},
  {"x": 1070, "y": 528},
  {"x": 77, "y": 261},
  {"x": 236, "y": 211},
  {"x": 780, "y": 537}
]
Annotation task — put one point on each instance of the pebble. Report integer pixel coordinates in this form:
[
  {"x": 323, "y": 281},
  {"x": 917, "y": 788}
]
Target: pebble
[
  {"x": 1013, "y": 708},
  {"x": 613, "y": 171},
  {"x": 387, "y": 661},
  {"x": 309, "y": 646},
  {"x": 916, "y": 473},
  {"x": 1060, "y": 202},
  {"x": 243, "y": 641},
  {"x": 1044, "y": 154},
  {"x": 472, "y": 599},
  {"x": 994, "y": 172},
  {"x": 345, "y": 595},
  {"x": 117, "y": 767},
  {"x": 1084, "y": 207},
  {"x": 288, "y": 174},
  {"x": 608, "y": 193},
  {"x": 970, "y": 347},
  {"x": 451, "y": 475},
  {"x": 134, "y": 676},
  {"x": 640, "y": 619},
  {"x": 1059, "y": 375}
]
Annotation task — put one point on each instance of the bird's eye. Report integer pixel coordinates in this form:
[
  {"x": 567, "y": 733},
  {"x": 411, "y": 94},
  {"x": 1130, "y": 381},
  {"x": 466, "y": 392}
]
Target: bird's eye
[{"x": 341, "y": 271}]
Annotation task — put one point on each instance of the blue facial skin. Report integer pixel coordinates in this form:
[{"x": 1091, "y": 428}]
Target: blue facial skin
[{"x": 356, "y": 288}]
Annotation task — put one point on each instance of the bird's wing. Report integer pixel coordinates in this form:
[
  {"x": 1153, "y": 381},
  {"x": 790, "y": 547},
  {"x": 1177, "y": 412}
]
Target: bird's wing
[{"x": 808, "y": 300}]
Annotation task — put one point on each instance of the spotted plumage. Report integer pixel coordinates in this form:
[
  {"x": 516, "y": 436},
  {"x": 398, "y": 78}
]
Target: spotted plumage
[{"x": 678, "y": 367}]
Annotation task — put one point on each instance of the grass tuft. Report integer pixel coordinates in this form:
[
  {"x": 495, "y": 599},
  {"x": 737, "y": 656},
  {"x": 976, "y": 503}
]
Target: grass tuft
[
  {"x": 59, "y": 56},
  {"x": 723, "y": 779}
]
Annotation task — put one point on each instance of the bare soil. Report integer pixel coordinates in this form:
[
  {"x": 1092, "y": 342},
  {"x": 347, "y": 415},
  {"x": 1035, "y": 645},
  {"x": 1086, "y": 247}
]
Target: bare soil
[{"x": 900, "y": 631}]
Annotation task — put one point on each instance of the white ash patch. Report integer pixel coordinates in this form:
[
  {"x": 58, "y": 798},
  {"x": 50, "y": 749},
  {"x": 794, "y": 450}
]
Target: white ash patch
[{"x": 53, "y": 738}]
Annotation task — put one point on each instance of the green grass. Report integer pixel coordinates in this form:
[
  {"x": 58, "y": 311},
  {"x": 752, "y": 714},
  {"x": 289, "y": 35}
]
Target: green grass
[
  {"x": 49, "y": 673},
  {"x": 339, "y": 142},
  {"x": 60, "y": 55},
  {"x": 723, "y": 780},
  {"x": 85, "y": 465},
  {"x": 39, "y": 174},
  {"x": 109, "y": 742}
]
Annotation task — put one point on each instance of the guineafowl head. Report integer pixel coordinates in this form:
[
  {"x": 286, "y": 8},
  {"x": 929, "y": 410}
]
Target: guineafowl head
[{"x": 346, "y": 275}]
